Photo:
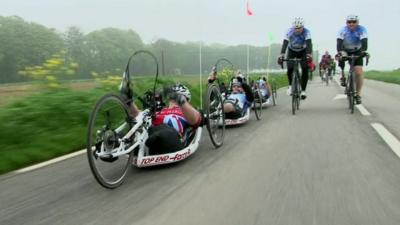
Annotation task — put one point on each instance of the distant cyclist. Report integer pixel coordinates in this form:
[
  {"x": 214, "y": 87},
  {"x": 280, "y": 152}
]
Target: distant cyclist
[
  {"x": 325, "y": 64},
  {"x": 352, "y": 39},
  {"x": 299, "y": 44}
]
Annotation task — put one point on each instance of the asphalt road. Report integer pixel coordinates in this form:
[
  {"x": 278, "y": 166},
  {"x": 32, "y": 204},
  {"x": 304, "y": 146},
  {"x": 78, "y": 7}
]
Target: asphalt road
[{"x": 321, "y": 166}]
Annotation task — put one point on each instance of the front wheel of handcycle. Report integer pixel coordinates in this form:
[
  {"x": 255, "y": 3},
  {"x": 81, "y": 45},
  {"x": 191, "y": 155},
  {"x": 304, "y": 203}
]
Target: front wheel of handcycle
[
  {"x": 215, "y": 115},
  {"x": 109, "y": 121},
  {"x": 257, "y": 104}
]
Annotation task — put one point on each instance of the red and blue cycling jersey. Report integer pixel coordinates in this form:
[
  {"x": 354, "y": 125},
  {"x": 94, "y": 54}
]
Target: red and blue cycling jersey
[{"x": 172, "y": 117}]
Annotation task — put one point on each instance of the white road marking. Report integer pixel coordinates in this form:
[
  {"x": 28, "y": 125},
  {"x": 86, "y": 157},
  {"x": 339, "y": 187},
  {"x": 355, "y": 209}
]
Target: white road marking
[
  {"x": 389, "y": 138},
  {"x": 340, "y": 96},
  {"x": 363, "y": 110},
  {"x": 43, "y": 164}
]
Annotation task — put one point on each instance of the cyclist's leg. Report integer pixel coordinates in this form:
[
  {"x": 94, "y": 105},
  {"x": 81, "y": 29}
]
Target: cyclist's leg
[
  {"x": 290, "y": 66},
  {"x": 341, "y": 64},
  {"x": 358, "y": 70},
  {"x": 304, "y": 75}
]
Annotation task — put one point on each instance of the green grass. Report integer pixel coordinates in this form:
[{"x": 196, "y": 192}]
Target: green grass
[
  {"x": 45, "y": 125},
  {"x": 385, "y": 76}
]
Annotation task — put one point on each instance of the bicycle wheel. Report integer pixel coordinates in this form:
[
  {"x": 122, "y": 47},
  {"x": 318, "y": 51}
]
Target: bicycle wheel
[
  {"x": 327, "y": 78},
  {"x": 108, "y": 123},
  {"x": 350, "y": 93},
  {"x": 294, "y": 94},
  {"x": 215, "y": 115},
  {"x": 257, "y": 104}
]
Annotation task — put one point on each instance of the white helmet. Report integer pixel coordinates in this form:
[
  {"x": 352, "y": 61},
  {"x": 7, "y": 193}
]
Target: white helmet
[
  {"x": 298, "y": 22},
  {"x": 182, "y": 90},
  {"x": 352, "y": 17}
]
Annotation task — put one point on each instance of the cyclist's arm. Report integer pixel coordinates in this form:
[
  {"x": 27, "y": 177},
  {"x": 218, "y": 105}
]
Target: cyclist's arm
[
  {"x": 339, "y": 45},
  {"x": 248, "y": 92},
  {"x": 309, "y": 46},
  {"x": 191, "y": 114},
  {"x": 364, "y": 44},
  {"x": 284, "y": 46}
]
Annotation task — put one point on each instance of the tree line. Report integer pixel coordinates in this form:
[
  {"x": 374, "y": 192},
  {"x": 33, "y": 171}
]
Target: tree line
[{"x": 25, "y": 44}]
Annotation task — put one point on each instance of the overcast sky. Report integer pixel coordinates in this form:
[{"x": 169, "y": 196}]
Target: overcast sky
[{"x": 223, "y": 21}]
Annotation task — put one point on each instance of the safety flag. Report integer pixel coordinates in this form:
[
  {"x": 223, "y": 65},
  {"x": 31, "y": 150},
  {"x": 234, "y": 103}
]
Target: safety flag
[{"x": 248, "y": 9}]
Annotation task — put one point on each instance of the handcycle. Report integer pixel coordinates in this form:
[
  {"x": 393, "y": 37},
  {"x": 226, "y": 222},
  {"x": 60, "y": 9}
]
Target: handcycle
[
  {"x": 296, "y": 86},
  {"x": 116, "y": 140},
  {"x": 350, "y": 89},
  {"x": 267, "y": 98},
  {"x": 245, "y": 115}
]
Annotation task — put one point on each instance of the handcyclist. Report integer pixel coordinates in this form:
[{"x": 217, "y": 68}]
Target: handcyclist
[
  {"x": 299, "y": 44},
  {"x": 264, "y": 86},
  {"x": 325, "y": 64},
  {"x": 170, "y": 123},
  {"x": 240, "y": 96},
  {"x": 352, "y": 39}
]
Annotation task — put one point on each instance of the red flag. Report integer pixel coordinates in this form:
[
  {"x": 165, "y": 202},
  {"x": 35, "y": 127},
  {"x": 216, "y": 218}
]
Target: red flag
[{"x": 249, "y": 11}]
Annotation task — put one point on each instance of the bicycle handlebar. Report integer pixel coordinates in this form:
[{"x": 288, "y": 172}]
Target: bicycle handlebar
[
  {"x": 292, "y": 60},
  {"x": 355, "y": 57}
]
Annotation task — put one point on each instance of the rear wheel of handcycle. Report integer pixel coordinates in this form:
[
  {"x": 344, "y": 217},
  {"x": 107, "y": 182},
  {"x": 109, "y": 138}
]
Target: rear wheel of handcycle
[
  {"x": 274, "y": 94},
  {"x": 257, "y": 104},
  {"x": 108, "y": 123},
  {"x": 215, "y": 115}
]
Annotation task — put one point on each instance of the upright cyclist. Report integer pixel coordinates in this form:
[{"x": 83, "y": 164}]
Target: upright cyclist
[
  {"x": 325, "y": 64},
  {"x": 352, "y": 39},
  {"x": 299, "y": 44}
]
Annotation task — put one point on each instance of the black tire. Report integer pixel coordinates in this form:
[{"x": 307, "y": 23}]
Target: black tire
[
  {"x": 350, "y": 93},
  {"x": 109, "y": 113},
  {"x": 294, "y": 95},
  {"x": 257, "y": 104},
  {"x": 298, "y": 93},
  {"x": 215, "y": 115},
  {"x": 327, "y": 78}
]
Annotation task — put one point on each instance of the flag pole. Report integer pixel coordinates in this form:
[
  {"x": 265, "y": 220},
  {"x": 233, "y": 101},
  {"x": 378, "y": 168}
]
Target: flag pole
[{"x": 201, "y": 80}]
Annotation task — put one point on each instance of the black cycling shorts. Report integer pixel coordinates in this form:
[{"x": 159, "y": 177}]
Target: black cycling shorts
[
  {"x": 237, "y": 113},
  {"x": 163, "y": 139}
]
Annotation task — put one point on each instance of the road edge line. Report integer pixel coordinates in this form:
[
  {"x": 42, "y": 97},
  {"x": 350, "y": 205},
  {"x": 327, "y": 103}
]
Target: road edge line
[{"x": 49, "y": 162}]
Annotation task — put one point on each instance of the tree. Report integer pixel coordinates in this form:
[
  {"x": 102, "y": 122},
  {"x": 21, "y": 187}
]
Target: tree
[{"x": 24, "y": 44}]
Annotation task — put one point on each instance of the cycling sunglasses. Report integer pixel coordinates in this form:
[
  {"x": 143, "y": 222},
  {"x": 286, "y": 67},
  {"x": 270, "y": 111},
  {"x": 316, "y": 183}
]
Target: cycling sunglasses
[{"x": 351, "y": 21}]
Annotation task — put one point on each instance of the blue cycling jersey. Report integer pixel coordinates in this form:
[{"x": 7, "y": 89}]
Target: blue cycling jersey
[
  {"x": 241, "y": 98},
  {"x": 297, "y": 42},
  {"x": 352, "y": 38}
]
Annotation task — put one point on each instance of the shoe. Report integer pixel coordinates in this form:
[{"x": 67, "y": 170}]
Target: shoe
[
  {"x": 303, "y": 95},
  {"x": 343, "y": 81},
  {"x": 358, "y": 99},
  {"x": 289, "y": 90}
]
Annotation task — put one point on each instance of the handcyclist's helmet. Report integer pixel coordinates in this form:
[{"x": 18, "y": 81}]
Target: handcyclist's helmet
[
  {"x": 236, "y": 82},
  {"x": 352, "y": 17},
  {"x": 298, "y": 22},
  {"x": 182, "y": 90}
]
